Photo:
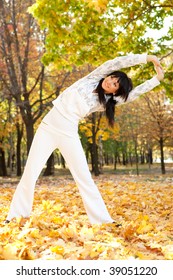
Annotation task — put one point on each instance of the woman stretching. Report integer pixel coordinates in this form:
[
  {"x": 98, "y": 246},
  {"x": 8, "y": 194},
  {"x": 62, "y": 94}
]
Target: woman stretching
[{"x": 101, "y": 90}]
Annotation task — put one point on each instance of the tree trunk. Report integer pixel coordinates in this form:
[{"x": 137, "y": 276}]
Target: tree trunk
[
  {"x": 142, "y": 156},
  {"x": 18, "y": 149},
  {"x": 150, "y": 156},
  {"x": 50, "y": 166},
  {"x": 63, "y": 162},
  {"x": 130, "y": 159},
  {"x": 115, "y": 161},
  {"x": 29, "y": 134},
  {"x": 94, "y": 159},
  {"x": 162, "y": 155},
  {"x": 124, "y": 158},
  {"x": 3, "y": 169},
  {"x": 136, "y": 156},
  {"x": 94, "y": 148}
]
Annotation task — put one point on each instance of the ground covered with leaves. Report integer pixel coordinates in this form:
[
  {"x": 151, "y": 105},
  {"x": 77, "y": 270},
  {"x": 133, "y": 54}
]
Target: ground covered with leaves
[{"x": 59, "y": 228}]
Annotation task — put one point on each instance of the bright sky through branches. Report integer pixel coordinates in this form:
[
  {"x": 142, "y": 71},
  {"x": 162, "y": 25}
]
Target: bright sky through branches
[{"x": 156, "y": 34}]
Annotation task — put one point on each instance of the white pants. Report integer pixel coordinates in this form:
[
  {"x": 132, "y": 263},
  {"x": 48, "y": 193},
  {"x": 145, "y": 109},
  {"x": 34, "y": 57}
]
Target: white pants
[{"x": 55, "y": 131}]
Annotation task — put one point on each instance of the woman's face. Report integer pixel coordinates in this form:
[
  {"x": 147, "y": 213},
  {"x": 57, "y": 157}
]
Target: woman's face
[{"x": 110, "y": 84}]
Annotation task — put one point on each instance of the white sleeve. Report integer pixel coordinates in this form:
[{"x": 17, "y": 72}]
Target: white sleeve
[
  {"x": 116, "y": 64},
  {"x": 143, "y": 88}
]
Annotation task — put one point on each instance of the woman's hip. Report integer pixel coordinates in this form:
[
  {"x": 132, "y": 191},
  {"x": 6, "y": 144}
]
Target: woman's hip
[{"x": 58, "y": 124}]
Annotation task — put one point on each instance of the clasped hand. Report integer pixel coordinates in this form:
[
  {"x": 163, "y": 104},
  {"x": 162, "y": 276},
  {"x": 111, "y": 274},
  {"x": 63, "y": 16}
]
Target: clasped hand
[{"x": 157, "y": 66}]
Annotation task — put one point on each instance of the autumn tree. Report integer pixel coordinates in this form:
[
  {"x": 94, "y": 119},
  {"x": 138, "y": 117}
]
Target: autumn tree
[
  {"x": 19, "y": 135},
  {"x": 3, "y": 132},
  {"x": 160, "y": 116},
  {"x": 130, "y": 130},
  {"x": 97, "y": 131},
  {"x": 125, "y": 24},
  {"x": 91, "y": 130},
  {"x": 22, "y": 74},
  {"x": 20, "y": 52}
]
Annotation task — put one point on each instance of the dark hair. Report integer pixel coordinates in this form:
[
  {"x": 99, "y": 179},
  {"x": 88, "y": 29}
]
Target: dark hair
[{"x": 125, "y": 86}]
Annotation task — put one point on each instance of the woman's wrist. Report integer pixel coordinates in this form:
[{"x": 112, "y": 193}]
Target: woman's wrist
[
  {"x": 157, "y": 66},
  {"x": 160, "y": 73},
  {"x": 153, "y": 59}
]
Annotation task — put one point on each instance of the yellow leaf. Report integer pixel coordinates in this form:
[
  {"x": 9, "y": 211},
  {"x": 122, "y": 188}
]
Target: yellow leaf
[
  {"x": 10, "y": 251},
  {"x": 47, "y": 204},
  {"x": 58, "y": 250},
  {"x": 58, "y": 220},
  {"x": 35, "y": 233},
  {"x": 144, "y": 228},
  {"x": 129, "y": 231},
  {"x": 86, "y": 234},
  {"x": 94, "y": 254},
  {"x": 54, "y": 233},
  {"x": 27, "y": 254}
]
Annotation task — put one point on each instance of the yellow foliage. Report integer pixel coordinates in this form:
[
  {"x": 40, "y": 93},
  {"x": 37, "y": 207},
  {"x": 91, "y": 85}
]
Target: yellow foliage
[
  {"x": 58, "y": 220},
  {"x": 35, "y": 233},
  {"x": 99, "y": 5},
  {"x": 27, "y": 254},
  {"x": 57, "y": 249},
  {"x": 104, "y": 132},
  {"x": 144, "y": 227},
  {"x": 9, "y": 252},
  {"x": 59, "y": 228}
]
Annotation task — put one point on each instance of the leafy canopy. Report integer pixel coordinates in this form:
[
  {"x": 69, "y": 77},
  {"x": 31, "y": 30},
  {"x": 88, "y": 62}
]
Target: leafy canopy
[{"x": 83, "y": 31}]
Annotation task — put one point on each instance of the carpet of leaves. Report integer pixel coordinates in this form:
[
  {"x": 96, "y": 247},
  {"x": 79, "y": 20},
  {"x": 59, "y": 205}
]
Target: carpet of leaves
[{"x": 59, "y": 228}]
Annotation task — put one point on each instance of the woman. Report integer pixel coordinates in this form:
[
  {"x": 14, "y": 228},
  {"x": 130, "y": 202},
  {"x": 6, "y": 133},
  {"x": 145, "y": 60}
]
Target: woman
[{"x": 101, "y": 90}]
